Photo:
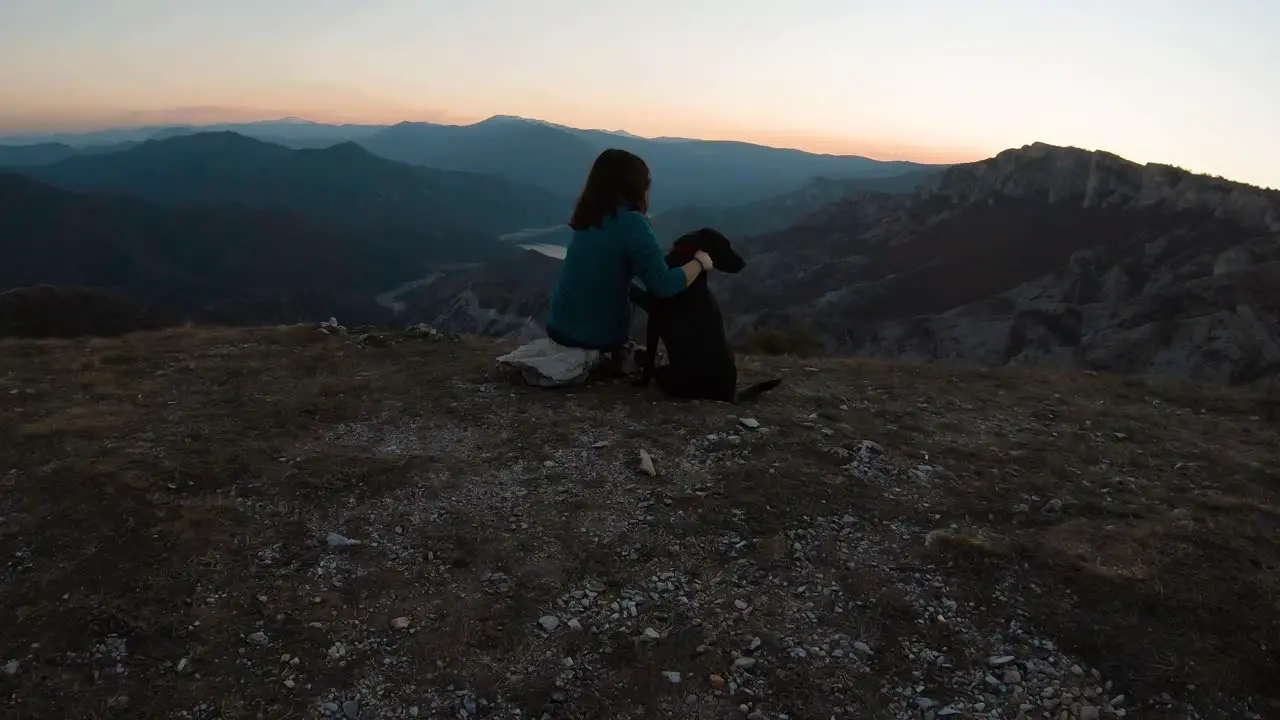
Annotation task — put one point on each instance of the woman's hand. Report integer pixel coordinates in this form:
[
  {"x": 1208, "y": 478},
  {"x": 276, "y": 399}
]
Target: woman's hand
[{"x": 704, "y": 260}]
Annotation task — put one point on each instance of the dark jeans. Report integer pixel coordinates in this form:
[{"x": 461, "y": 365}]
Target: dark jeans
[{"x": 638, "y": 297}]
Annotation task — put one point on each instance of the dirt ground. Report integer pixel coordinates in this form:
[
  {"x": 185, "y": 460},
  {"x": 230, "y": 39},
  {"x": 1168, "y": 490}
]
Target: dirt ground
[{"x": 891, "y": 541}]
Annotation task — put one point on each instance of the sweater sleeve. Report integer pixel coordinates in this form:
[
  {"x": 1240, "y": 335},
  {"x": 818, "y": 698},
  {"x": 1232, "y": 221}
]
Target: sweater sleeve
[{"x": 646, "y": 258}]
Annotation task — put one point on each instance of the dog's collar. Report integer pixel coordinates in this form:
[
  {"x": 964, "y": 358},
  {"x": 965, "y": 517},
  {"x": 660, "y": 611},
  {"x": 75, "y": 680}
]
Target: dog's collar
[{"x": 684, "y": 247}]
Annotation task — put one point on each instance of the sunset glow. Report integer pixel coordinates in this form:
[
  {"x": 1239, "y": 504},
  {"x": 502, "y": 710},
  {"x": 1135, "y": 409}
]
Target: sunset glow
[{"x": 1178, "y": 81}]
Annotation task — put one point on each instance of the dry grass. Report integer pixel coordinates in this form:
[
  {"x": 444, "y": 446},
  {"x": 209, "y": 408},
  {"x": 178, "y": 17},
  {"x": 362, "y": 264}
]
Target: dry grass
[{"x": 169, "y": 491}]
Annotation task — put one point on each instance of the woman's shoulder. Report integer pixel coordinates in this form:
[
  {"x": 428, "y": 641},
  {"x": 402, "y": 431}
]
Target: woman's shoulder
[
  {"x": 629, "y": 220},
  {"x": 625, "y": 221}
]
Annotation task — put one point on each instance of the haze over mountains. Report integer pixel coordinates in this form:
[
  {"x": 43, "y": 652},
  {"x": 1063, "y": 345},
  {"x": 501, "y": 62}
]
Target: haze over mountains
[
  {"x": 1041, "y": 255},
  {"x": 553, "y": 157}
]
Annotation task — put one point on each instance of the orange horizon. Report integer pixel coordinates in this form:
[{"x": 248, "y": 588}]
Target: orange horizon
[{"x": 883, "y": 150}]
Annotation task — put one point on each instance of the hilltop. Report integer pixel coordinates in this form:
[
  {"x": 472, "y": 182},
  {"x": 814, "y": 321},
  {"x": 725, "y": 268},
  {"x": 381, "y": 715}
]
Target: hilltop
[{"x": 892, "y": 540}]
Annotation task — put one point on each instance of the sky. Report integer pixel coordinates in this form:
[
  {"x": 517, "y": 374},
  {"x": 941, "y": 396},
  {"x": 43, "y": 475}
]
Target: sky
[{"x": 1194, "y": 83}]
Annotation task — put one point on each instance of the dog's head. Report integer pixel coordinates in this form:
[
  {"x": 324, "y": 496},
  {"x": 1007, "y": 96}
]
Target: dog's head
[{"x": 713, "y": 243}]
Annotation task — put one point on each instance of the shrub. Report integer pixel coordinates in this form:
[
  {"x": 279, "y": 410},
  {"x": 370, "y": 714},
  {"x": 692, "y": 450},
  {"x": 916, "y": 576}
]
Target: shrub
[{"x": 800, "y": 340}]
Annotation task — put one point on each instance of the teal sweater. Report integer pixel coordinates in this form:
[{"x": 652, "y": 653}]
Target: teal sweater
[{"x": 590, "y": 308}]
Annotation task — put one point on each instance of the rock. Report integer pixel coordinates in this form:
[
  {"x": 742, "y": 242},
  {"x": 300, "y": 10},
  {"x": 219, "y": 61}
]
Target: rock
[
  {"x": 549, "y": 622},
  {"x": 671, "y": 676},
  {"x": 716, "y": 682},
  {"x": 745, "y": 662},
  {"x": 998, "y": 660},
  {"x": 258, "y": 638},
  {"x": 750, "y": 423},
  {"x": 400, "y": 623},
  {"x": 646, "y": 464},
  {"x": 1089, "y": 712},
  {"x": 1012, "y": 677},
  {"x": 651, "y": 634},
  {"x": 862, "y": 647},
  {"x": 335, "y": 540},
  {"x": 601, "y": 444},
  {"x": 575, "y": 625},
  {"x": 1053, "y": 507},
  {"x": 351, "y": 709},
  {"x": 11, "y": 668}
]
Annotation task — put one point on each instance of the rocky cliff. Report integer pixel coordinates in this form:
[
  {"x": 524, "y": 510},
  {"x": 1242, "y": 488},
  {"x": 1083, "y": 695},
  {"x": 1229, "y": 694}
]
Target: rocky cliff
[{"x": 1040, "y": 255}]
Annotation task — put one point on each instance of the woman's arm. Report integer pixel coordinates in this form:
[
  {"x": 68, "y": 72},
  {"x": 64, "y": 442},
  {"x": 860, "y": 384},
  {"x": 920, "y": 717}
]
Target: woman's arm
[{"x": 647, "y": 261}]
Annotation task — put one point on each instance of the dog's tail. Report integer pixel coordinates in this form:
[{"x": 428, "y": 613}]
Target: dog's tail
[{"x": 756, "y": 390}]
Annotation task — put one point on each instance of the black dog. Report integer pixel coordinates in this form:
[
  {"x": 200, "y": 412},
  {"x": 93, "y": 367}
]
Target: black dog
[{"x": 700, "y": 362}]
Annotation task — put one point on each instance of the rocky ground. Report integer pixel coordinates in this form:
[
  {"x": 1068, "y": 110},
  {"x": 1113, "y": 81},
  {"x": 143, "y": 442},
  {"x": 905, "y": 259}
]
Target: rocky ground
[{"x": 285, "y": 523}]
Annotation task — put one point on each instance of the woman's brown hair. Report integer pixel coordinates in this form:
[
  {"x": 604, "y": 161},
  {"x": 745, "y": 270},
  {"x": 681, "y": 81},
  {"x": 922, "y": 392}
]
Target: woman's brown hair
[{"x": 617, "y": 177}]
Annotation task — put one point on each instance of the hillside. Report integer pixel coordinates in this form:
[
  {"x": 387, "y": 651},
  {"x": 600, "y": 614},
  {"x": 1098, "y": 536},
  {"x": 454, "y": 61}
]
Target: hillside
[
  {"x": 343, "y": 184},
  {"x": 12, "y": 156},
  {"x": 894, "y": 541},
  {"x": 224, "y": 263}
]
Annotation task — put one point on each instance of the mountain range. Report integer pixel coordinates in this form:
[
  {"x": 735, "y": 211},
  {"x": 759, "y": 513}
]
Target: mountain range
[
  {"x": 343, "y": 184},
  {"x": 1039, "y": 255},
  {"x": 553, "y": 157}
]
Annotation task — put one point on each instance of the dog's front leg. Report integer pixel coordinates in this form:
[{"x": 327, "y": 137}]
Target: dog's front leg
[{"x": 652, "y": 333}]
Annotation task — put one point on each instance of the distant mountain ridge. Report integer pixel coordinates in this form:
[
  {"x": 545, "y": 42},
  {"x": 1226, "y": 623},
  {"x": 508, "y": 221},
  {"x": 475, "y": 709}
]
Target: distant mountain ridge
[
  {"x": 548, "y": 155},
  {"x": 344, "y": 184}
]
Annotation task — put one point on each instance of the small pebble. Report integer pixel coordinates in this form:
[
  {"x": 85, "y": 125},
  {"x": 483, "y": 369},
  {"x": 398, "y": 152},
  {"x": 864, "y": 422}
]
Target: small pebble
[
  {"x": 336, "y": 540},
  {"x": 646, "y": 464}
]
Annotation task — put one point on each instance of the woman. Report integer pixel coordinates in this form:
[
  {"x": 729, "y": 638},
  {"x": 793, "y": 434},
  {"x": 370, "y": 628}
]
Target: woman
[{"x": 612, "y": 243}]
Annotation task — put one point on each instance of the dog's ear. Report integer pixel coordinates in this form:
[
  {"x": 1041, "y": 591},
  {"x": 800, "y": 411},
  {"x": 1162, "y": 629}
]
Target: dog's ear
[{"x": 714, "y": 243}]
